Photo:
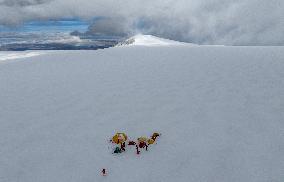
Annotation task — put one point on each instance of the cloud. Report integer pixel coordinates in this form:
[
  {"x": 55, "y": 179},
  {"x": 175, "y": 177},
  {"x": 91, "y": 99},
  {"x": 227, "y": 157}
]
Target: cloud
[
  {"x": 229, "y": 22},
  {"x": 21, "y": 3},
  {"x": 111, "y": 27}
]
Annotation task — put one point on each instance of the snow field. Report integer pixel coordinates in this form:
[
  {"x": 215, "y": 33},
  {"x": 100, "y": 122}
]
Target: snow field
[{"x": 219, "y": 109}]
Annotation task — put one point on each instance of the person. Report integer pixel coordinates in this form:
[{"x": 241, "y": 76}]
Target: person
[
  {"x": 123, "y": 146},
  {"x": 137, "y": 150},
  {"x": 117, "y": 150},
  {"x": 104, "y": 172},
  {"x": 143, "y": 144}
]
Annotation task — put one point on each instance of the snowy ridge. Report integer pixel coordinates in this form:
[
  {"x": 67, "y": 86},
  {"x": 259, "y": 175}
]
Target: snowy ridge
[
  {"x": 150, "y": 40},
  {"x": 17, "y": 55}
]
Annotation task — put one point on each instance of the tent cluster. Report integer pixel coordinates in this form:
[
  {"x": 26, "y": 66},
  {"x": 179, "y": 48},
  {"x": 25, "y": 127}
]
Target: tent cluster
[{"x": 120, "y": 139}]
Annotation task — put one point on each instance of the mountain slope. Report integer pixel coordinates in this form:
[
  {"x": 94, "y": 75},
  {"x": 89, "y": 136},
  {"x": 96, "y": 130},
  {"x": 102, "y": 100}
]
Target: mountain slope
[
  {"x": 150, "y": 40},
  {"x": 219, "y": 109}
]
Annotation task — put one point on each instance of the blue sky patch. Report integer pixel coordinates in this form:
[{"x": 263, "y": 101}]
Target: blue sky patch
[{"x": 63, "y": 25}]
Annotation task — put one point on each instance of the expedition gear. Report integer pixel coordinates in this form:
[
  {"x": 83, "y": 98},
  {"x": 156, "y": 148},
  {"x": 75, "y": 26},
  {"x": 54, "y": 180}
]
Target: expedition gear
[
  {"x": 137, "y": 150},
  {"x": 142, "y": 139},
  {"x": 142, "y": 142},
  {"x": 155, "y": 135},
  {"x": 122, "y": 146},
  {"x": 119, "y": 138},
  {"x": 117, "y": 150},
  {"x": 151, "y": 141},
  {"x": 131, "y": 143},
  {"x": 143, "y": 145}
]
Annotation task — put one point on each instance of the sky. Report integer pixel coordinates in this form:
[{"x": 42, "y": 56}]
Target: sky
[{"x": 226, "y": 22}]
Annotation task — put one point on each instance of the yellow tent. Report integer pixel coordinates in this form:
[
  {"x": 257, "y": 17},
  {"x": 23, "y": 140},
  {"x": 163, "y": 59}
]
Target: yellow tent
[
  {"x": 150, "y": 141},
  {"x": 155, "y": 135},
  {"x": 119, "y": 138},
  {"x": 142, "y": 139}
]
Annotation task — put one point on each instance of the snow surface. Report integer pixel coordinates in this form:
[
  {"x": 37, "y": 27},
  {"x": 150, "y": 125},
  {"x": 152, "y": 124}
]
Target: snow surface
[
  {"x": 220, "y": 111},
  {"x": 150, "y": 40},
  {"x": 4, "y": 56}
]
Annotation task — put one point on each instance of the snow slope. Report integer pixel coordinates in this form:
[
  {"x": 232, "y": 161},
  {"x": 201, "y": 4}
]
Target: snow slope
[
  {"x": 4, "y": 56},
  {"x": 150, "y": 40},
  {"x": 220, "y": 111}
]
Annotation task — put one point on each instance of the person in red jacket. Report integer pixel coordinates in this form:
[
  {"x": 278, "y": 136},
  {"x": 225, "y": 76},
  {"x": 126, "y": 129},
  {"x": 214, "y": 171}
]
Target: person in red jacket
[{"x": 143, "y": 145}]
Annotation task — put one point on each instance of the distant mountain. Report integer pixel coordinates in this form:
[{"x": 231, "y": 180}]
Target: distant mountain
[
  {"x": 19, "y": 41},
  {"x": 150, "y": 40}
]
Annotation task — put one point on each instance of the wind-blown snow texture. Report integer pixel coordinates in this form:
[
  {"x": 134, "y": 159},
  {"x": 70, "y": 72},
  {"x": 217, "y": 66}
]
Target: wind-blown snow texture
[{"x": 220, "y": 111}]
